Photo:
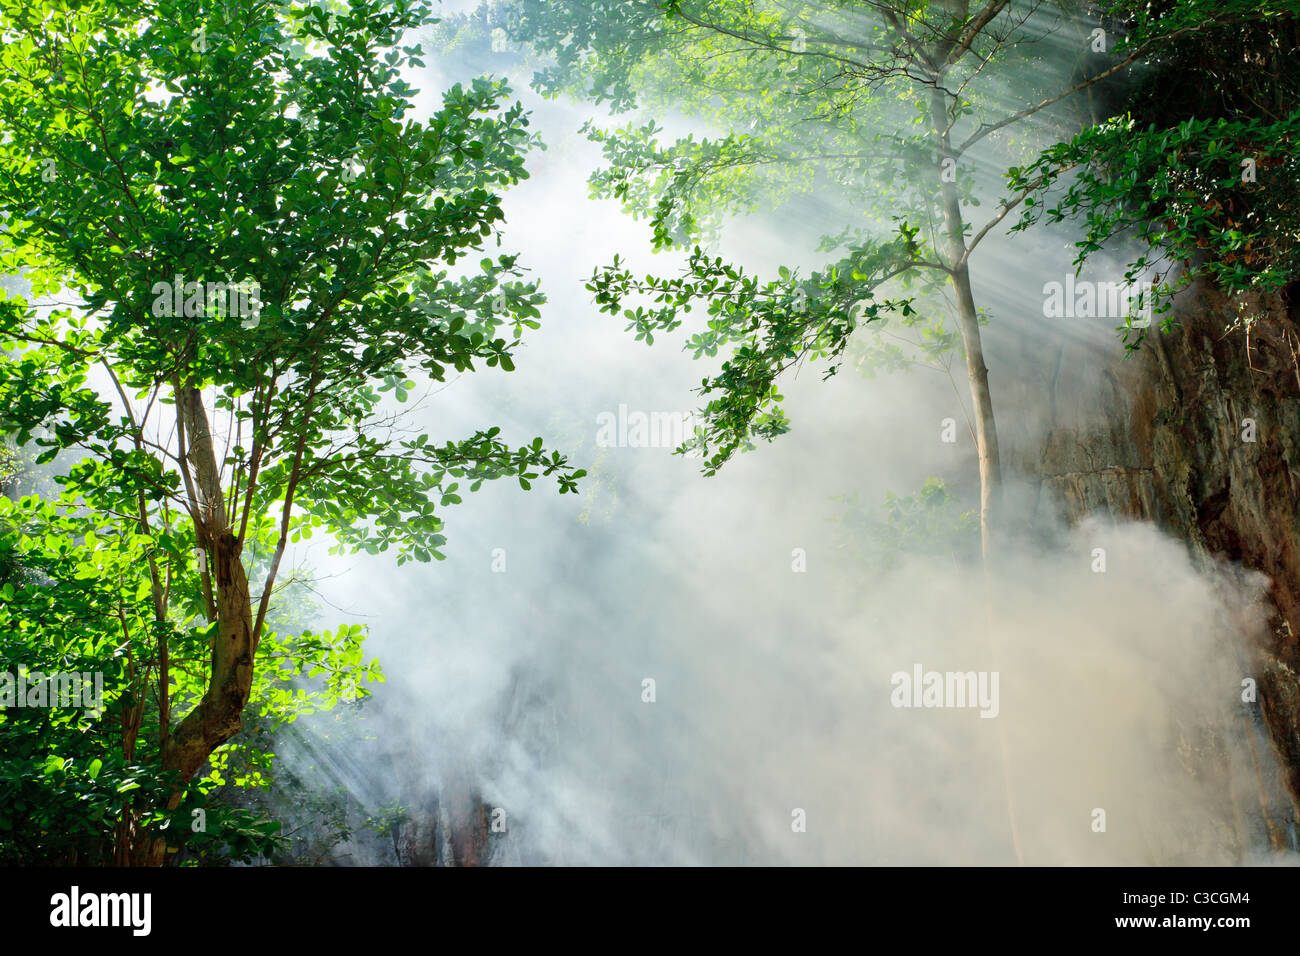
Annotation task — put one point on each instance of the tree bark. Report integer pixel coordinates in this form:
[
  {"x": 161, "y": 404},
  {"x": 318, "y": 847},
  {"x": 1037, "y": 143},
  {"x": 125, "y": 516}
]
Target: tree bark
[
  {"x": 977, "y": 373},
  {"x": 218, "y": 716}
]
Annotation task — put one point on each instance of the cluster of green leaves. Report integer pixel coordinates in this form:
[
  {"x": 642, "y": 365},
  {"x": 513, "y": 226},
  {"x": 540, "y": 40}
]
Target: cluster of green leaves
[
  {"x": 1181, "y": 193},
  {"x": 1241, "y": 65},
  {"x": 62, "y": 809},
  {"x": 228, "y": 835},
  {"x": 683, "y": 188},
  {"x": 931, "y": 523},
  {"x": 1145, "y": 21},
  {"x": 1168, "y": 169},
  {"x": 771, "y": 325},
  {"x": 65, "y": 781},
  {"x": 411, "y": 479},
  {"x": 800, "y": 109}
]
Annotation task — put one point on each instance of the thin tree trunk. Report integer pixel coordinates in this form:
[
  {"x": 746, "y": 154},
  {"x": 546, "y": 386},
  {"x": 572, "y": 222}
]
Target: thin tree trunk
[
  {"x": 218, "y": 716},
  {"x": 986, "y": 432}
]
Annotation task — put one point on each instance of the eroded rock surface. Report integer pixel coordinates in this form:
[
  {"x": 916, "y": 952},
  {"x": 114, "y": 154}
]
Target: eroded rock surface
[{"x": 1199, "y": 432}]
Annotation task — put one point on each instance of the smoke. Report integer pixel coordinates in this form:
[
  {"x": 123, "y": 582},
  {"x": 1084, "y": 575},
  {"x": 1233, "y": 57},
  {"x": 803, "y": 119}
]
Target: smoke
[{"x": 518, "y": 667}]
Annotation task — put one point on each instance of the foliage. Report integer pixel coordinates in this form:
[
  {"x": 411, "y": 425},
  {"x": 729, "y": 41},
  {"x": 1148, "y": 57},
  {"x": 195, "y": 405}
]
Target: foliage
[
  {"x": 1180, "y": 193},
  {"x": 774, "y": 325},
  {"x": 156, "y": 156},
  {"x": 931, "y": 523},
  {"x": 1203, "y": 175},
  {"x": 75, "y": 598},
  {"x": 872, "y": 118}
]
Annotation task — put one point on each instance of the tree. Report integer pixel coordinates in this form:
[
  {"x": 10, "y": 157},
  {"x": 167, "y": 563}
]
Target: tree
[
  {"x": 260, "y": 242},
  {"x": 883, "y": 109}
]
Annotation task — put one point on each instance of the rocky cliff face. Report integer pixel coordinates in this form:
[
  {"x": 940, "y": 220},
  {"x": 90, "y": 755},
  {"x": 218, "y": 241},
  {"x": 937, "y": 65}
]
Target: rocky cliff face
[
  {"x": 1199, "y": 432},
  {"x": 447, "y": 827}
]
